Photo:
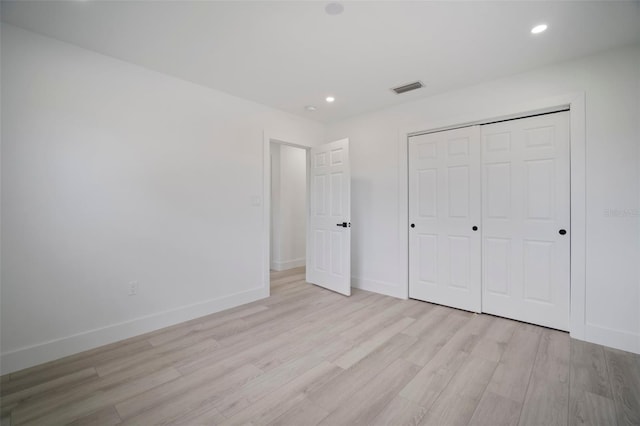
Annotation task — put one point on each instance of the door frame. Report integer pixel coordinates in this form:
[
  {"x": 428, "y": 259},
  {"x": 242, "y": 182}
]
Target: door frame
[
  {"x": 266, "y": 197},
  {"x": 575, "y": 102}
]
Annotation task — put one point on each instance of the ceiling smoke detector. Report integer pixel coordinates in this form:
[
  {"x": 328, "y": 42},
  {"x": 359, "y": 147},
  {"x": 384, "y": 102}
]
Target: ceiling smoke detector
[
  {"x": 408, "y": 87},
  {"x": 334, "y": 9}
]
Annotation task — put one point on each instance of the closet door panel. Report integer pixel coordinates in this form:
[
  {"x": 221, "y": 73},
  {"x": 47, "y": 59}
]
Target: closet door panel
[
  {"x": 526, "y": 199},
  {"x": 444, "y": 206}
]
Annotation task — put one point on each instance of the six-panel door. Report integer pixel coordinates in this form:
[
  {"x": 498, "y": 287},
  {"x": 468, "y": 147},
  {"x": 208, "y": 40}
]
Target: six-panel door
[
  {"x": 444, "y": 208},
  {"x": 329, "y": 246},
  {"x": 525, "y": 208}
]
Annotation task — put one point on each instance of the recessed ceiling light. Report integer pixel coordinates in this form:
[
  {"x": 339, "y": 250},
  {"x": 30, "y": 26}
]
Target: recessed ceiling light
[
  {"x": 334, "y": 9},
  {"x": 539, "y": 29},
  {"x": 330, "y": 99},
  {"x": 310, "y": 108}
]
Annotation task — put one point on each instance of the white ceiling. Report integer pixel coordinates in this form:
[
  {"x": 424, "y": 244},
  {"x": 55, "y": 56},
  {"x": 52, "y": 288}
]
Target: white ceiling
[{"x": 291, "y": 54}]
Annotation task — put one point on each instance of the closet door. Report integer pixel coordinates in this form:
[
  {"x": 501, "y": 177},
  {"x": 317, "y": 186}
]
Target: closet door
[
  {"x": 444, "y": 217},
  {"x": 525, "y": 208}
]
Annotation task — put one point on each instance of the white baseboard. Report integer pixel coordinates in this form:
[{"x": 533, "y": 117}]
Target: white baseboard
[
  {"x": 617, "y": 339},
  {"x": 58, "y": 348},
  {"x": 382, "y": 287},
  {"x": 287, "y": 264}
]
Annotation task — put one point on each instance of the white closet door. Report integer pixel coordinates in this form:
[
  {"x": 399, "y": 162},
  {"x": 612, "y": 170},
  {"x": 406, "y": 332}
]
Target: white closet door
[
  {"x": 525, "y": 207},
  {"x": 444, "y": 208},
  {"x": 329, "y": 238}
]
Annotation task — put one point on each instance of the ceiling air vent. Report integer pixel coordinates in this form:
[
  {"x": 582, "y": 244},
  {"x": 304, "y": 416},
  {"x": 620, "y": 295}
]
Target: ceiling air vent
[{"x": 407, "y": 87}]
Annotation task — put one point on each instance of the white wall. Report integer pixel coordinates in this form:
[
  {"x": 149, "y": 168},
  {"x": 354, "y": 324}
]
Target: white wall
[
  {"x": 611, "y": 83},
  {"x": 113, "y": 173},
  {"x": 288, "y": 206}
]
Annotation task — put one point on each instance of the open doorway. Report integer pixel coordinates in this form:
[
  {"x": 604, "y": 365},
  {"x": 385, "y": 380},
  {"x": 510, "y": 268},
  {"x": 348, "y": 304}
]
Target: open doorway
[
  {"x": 288, "y": 211},
  {"x": 327, "y": 236}
]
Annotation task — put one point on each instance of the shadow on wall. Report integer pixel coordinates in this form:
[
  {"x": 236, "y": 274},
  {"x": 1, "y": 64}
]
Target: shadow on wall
[{"x": 361, "y": 203}]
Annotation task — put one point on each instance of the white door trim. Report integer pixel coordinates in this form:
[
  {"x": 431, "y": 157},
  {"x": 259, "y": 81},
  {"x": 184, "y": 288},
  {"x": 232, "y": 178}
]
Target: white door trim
[
  {"x": 576, "y": 104},
  {"x": 268, "y": 138}
]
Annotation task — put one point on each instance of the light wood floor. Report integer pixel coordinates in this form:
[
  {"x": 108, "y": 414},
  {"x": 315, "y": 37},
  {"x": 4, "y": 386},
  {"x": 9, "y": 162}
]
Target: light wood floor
[{"x": 307, "y": 356}]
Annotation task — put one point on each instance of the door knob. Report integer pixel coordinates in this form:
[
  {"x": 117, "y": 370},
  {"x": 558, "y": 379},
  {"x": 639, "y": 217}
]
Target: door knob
[
  {"x": 343, "y": 224},
  {"x": 413, "y": 225},
  {"x": 562, "y": 231},
  {"x": 475, "y": 228}
]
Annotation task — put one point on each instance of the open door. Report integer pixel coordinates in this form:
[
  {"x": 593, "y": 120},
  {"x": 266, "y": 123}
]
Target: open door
[{"x": 329, "y": 239}]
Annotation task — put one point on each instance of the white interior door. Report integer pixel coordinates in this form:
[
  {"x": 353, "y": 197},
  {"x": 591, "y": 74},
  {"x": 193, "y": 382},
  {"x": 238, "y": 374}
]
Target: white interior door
[
  {"x": 526, "y": 199},
  {"x": 329, "y": 240},
  {"x": 444, "y": 217}
]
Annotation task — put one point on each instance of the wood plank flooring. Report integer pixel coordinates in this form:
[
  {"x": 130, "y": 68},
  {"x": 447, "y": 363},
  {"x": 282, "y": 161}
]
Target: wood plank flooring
[{"x": 307, "y": 356}]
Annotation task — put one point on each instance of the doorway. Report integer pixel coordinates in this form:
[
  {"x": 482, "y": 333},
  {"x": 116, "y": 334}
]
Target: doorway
[
  {"x": 328, "y": 215},
  {"x": 288, "y": 212}
]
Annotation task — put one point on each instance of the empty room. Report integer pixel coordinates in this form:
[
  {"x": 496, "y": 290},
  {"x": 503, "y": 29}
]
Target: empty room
[{"x": 325, "y": 213}]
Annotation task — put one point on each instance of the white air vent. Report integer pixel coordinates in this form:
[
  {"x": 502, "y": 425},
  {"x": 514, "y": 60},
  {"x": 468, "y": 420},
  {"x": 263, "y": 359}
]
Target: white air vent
[{"x": 408, "y": 87}]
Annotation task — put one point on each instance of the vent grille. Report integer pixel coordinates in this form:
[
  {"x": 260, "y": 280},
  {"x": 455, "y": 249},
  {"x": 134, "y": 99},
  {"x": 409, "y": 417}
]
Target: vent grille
[{"x": 408, "y": 87}]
